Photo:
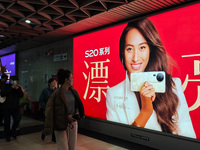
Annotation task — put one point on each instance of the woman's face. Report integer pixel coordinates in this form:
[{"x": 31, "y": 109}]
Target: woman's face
[
  {"x": 70, "y": 80},
  {"x": 136, "y": 51}
]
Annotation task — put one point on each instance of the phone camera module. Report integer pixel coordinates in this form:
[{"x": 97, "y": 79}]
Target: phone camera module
[{"x": 160, "y": 77}]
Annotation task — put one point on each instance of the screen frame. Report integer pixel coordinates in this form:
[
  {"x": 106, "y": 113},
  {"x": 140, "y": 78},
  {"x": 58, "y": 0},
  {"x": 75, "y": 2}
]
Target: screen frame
[{"x": 143, "y": 136}]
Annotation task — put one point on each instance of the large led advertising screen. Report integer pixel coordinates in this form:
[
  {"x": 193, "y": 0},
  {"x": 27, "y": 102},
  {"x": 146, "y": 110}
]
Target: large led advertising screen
[
  {"x": 8, "y": 65},
  {"x": 105, "y": 61}
]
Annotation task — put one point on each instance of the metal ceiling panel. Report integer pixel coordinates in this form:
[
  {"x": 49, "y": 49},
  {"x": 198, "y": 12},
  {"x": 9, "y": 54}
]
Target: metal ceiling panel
[{"x": 57, "y": 19}]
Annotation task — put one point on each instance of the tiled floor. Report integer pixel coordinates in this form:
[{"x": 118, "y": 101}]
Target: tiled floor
[
  {"x": 29, "y": 132},
  {"x": 33, "y": 142},
  {"x": 27, "y": 122}
]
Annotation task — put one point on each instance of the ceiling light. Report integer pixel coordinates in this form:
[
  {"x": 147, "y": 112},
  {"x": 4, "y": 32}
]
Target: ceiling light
[{"x": 27, "y": 21}]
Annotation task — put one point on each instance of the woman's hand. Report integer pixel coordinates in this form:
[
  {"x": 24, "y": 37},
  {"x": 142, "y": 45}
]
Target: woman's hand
[
  {"x": 71, "y": 119},
  {"x": 15, "y": 86},
  {"x": 147, "y": 95}
]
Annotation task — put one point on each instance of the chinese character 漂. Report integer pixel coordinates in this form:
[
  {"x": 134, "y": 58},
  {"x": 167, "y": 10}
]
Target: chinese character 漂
[{"x": 98, "y": 73}]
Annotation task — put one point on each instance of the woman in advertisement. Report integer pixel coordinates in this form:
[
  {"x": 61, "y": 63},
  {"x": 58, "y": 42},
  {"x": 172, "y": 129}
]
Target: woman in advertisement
[{"x": 141, "y": 50}]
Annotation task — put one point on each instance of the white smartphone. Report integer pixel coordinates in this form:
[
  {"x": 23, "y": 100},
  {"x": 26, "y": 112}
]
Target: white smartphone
[{"x": 156, "y": 79}]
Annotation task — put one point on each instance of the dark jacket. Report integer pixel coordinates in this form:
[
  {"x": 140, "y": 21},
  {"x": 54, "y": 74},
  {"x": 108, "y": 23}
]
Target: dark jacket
[
  {"x": 56, "y": 114},
  {"x": 44, "y": 96},
  {"x": 12, "y": 96}
]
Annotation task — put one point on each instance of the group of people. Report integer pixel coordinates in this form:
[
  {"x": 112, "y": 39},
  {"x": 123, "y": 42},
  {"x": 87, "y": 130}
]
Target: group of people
[{"x": 59, "y": 105}]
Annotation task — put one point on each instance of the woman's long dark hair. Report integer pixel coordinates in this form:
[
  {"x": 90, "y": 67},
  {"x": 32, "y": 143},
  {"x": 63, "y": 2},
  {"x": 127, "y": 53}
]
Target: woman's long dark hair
[
  {"x": 166, "y": 103},
  {"x": 62, "y": 75}
]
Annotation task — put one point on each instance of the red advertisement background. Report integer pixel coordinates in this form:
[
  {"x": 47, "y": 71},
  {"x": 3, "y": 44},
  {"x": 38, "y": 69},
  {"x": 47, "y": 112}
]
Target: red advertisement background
[{"x": 179, "y": 31}]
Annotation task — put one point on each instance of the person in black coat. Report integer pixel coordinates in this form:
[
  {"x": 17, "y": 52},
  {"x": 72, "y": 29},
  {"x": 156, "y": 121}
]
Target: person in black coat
[
  {"x": 3, "y": 81},
  {"x": 12, "y": 92}
]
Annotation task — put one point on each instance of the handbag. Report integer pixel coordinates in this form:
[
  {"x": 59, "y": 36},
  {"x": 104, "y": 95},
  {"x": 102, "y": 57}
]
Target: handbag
[
  {"x": 24, "y": 100},
  {"x": 2, "y": 99}
]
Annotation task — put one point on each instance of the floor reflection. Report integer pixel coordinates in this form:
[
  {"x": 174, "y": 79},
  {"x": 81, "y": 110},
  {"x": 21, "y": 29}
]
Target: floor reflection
[
  {"x": 29, "y": 137},
  {"x": 27, "y": 125}
]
